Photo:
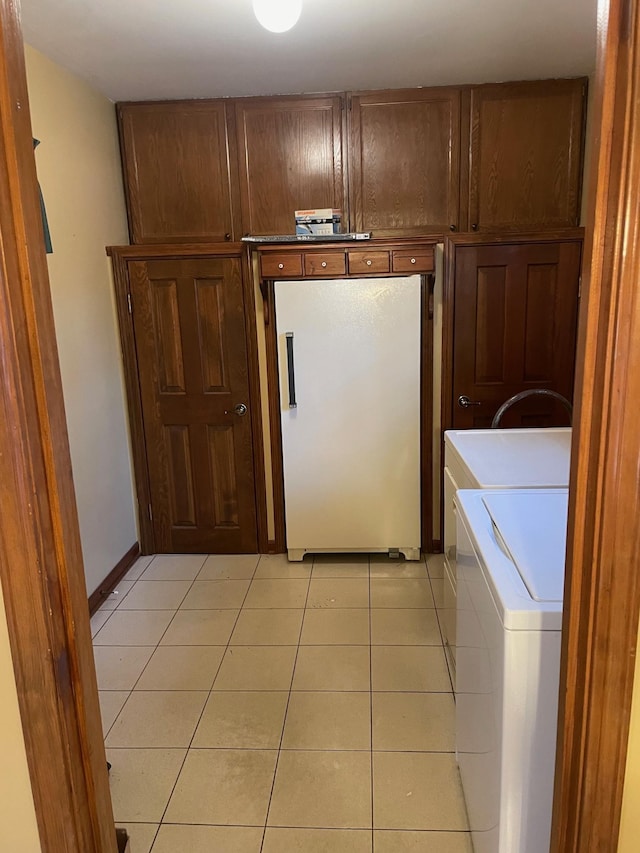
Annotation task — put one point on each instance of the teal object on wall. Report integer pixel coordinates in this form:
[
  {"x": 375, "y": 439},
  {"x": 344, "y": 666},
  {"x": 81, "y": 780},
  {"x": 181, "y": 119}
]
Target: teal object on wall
[{"x": 45, "y": 223}]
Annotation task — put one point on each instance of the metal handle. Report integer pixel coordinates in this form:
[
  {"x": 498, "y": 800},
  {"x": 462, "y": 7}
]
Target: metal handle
[
  {"x": 464, "y": 402},
  {"x": 291, "y": 371},
  {"x": 240, "y": 409},
  {"x": 453, "y": 228},
  {"x": 474, "y": 227}
]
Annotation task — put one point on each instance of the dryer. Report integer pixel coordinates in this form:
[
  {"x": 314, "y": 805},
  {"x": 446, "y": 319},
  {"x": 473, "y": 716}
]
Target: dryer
[{"x": 510, "y": 559}]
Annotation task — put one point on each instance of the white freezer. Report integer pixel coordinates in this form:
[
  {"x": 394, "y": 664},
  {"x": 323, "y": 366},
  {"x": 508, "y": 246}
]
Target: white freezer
[
  {"x": 349, "y": 351},
  {"x": 511, "y": 555}
]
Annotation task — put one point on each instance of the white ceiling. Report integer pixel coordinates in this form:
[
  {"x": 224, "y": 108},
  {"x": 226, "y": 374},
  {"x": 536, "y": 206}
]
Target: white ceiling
[{"x": 154, "y": 49}]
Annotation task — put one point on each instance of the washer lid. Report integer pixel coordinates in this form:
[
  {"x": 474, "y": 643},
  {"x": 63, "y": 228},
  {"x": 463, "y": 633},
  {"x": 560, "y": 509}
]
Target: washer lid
[
  {"x": 532, "y": 529},
  {"x": 501, "y": 458}
]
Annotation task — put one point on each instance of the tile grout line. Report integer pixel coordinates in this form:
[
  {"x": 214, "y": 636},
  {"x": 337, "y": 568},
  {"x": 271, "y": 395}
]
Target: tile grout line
[
  {"x": 286, "y": 710},
  {"x": 186, "y": 755},
  {"x": 157, "y": 645}
]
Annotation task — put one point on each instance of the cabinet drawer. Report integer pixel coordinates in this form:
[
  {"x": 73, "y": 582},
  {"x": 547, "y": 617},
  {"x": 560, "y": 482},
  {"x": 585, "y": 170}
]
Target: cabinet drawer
[
  {"x": 420, "y": 261},
  {"x": 273, "y": 266},
  {"x": 324, "y": 263},
  {"x": 365, "y": 262}
]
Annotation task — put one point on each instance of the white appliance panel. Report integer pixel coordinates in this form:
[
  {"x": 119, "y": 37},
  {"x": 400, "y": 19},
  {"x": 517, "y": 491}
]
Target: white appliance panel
[
  {"x": 506, "y": 690},
  {"x": 508, "y": 458},
  {"x": 533, "y": 528},
  {"x": 351, "y": 447}
]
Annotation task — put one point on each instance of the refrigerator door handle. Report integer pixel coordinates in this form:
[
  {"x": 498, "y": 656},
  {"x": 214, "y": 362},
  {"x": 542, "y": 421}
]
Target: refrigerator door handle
[{"x": 291, "y": 371}]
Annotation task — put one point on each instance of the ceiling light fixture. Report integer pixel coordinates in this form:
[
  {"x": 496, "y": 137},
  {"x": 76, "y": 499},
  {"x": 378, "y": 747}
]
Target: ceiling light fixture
[{"x": 277, "y": 16}]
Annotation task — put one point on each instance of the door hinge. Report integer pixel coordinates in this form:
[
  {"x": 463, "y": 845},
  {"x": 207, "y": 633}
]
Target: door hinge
[
  {"x": 129, "y": 303},
  {"x": 150, "y": 513}
]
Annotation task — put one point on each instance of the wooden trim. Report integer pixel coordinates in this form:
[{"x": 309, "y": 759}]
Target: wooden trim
[
  {"x": 275, "y": 427},
  {"x": 602, "y": 591},
  {"x": 426, "y": 411},
  {"x": 41, "y": 568},
  {"x": 134, "y": 401},
  {"x": 164, "y": 251},
  {"x": 510, "y": 237},
  {"x": 255, "y": 399},
  {"x": 113, "y": 578}
]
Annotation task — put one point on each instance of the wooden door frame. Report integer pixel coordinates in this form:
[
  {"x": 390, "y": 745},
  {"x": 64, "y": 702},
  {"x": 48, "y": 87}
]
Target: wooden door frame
[
  {"x": 41, "y": 568},
  {"x": 426, "y": 408},
  {"x": 44, "y": 590},
  {"x": 121, "y": 256},
  {"x": 602, "y": 588}
]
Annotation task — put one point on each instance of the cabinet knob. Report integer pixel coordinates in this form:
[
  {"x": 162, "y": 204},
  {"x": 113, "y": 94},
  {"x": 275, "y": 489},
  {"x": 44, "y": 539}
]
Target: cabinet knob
[
  {"x": 227, "y": 236},
  {"x": 368, "y": 263},
  {"x": 474, "y": 227},
  {"x": 323, "y": 264},
  {"x": 280, "y": 266},
  {"x": 413, "y": 260},
  {"x": 453, "y": 228}
]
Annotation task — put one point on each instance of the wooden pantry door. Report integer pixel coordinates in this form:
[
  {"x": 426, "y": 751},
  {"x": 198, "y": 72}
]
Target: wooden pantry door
[
  {"x": 515, "y": 312},
  {"x": 188, "y": 318}
]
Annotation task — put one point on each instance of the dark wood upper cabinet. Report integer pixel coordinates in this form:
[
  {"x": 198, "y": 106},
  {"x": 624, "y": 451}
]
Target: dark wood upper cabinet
[
  {"x": 180, "y": 170},
  {"x": 525, "y": 155},
  {"x": 404, "y": 161},
  {"x": 291, "y": 159}
]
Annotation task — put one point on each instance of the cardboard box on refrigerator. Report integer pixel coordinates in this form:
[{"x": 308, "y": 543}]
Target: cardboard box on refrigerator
[{"x": 321, "y": 220}]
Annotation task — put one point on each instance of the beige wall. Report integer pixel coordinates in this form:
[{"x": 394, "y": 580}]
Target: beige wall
[
  {"x": 18, "y": 827},
  {"x": 78, "y": 165},
  {"x": 630, "y": 824}
]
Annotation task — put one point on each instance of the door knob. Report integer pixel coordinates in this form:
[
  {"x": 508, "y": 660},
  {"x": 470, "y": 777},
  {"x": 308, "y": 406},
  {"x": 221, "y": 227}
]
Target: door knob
[
  {"x": 464, "y": 402},
  {"x": 239, "y": 410}
]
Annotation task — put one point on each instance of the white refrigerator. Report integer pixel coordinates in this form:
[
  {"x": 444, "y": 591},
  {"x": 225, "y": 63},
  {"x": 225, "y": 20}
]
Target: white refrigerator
[{"x": 349, "y": 368}]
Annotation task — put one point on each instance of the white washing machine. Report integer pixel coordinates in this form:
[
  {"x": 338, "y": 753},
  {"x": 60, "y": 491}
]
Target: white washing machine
[
  {"x": 494, "y": 459},
  {"x": 510, "y": 558}
]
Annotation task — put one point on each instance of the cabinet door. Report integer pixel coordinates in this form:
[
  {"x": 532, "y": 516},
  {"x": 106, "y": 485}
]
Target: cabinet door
[
  {"x": 180, "y": 172},
  {"x": 515, "y": 316},
  {"x": 405, "y": 161},
  {"x": 188, "y": 317},
  {"x": 291, "y": 156},
  {"x": 525, "y": 160}
]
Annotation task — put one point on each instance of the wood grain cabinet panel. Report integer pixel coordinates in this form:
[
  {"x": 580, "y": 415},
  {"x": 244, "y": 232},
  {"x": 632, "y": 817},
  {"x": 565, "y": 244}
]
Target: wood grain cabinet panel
[
  {"x": 405, "y": 161},
  {"x": 324, "y": 263},
  {"x": 411, "y": 262},
  {"x": 525, "y": 155},
  {"x": 368, "y": 262},
  {"x": 180, "y": 172},
  {"x": 281, "y": 265},
  {"x": 291, "y": 159}
]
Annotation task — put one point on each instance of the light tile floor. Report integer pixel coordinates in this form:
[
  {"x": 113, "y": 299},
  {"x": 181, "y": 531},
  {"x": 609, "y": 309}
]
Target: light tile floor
[{"x": 252, "y": 705}]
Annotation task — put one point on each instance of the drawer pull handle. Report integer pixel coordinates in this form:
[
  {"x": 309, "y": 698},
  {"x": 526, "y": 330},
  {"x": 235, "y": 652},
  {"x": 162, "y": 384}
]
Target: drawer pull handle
[
  {"x": 280, "y": 266},
  {"x": 368, "y": 263},
  {"x": 323, "y": 264},
  {"x": 413, "y": 260}
]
